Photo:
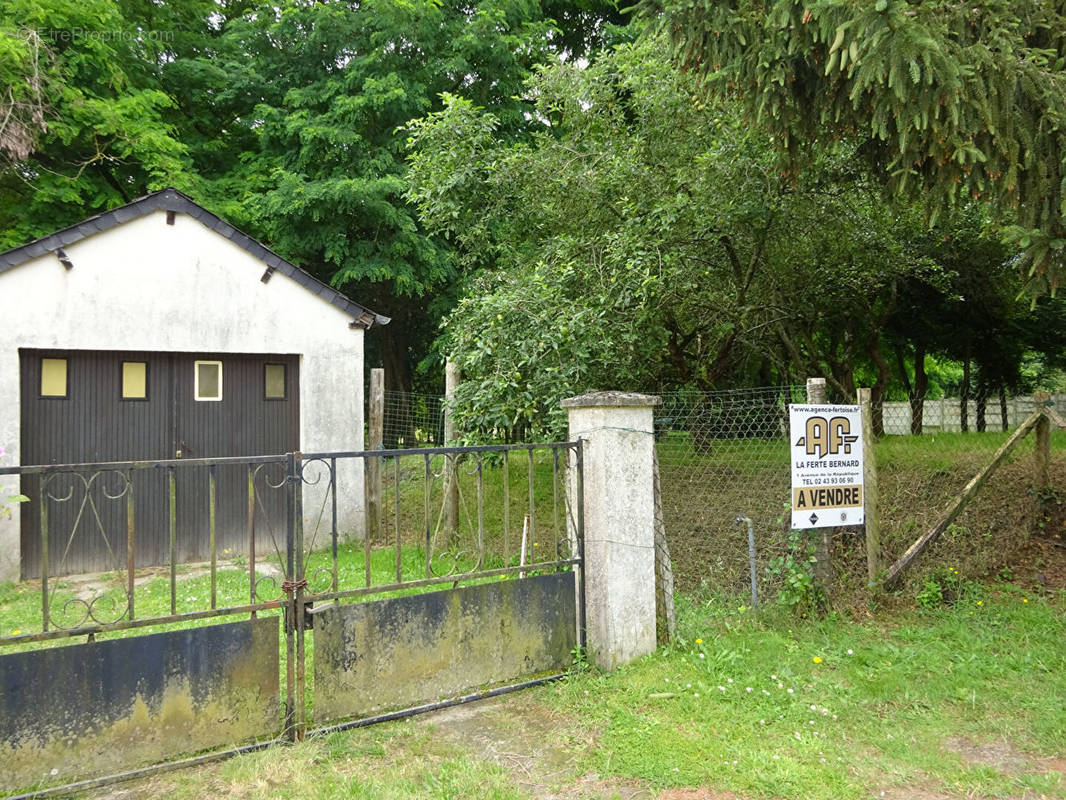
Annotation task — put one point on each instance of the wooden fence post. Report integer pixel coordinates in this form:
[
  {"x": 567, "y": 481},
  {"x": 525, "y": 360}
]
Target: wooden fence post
[
  {"x": 955, "y": 507},
  {"x": 823, "y": 570},
  {"x": 870, "y": 494},
  {"x": 451, "y": 474},
  {"x": 1042, "y": 450},
  {"x": 373, "y": 465}
]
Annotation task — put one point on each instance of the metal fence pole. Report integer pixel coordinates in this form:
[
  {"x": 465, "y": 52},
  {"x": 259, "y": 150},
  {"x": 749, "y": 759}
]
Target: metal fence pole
[
  {"x": 373, "y": 465},
  {"x": 751, "y": 558},
  {"x": 300, "y": 585},
  {"x": 288, "y": 585},
  {"x": 451, "y": 475}
]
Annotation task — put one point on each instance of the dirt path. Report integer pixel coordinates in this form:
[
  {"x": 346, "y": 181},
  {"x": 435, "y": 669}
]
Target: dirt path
[{"x": 542, "y": 748}]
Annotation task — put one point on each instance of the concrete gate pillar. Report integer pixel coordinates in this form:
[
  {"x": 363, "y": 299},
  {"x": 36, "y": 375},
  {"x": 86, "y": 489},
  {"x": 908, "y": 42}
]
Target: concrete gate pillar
[{"x": 616, "y": 429}]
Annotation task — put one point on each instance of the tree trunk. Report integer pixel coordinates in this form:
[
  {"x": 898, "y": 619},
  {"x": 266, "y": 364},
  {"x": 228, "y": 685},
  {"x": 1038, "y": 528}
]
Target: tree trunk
[
  {"x": 877, "y": 391},
  {"x": 399, "y": 422},
  {"x": 964, "y": 396},
  {"x": 1003, "y": 407},
  {"x": 982, "y": 398},
  {"x": 921, "y": 384}
]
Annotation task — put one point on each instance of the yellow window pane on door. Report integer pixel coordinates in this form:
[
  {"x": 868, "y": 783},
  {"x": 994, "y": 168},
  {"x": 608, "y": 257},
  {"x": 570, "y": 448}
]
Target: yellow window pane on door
[
  {"x": 53, "y": 377},
  {"x": 134, "y": 380},
  {"x": 275, "y": 382}
]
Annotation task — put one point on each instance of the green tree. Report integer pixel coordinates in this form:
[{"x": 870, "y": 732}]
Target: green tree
[
  {"x": 281, "y": 117},
  {"x": 951, "y": 101},
  {"x": 643, "y": 237},
  {"x": 107, "y": 130},
  {"x": 315, "y": 93}
]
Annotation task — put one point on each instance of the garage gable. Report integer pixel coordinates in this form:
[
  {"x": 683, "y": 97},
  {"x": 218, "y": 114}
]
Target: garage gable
[{"x": 173, "y": 202}]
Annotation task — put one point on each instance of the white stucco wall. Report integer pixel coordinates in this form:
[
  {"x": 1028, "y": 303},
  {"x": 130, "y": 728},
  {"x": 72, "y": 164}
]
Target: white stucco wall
[{"x": 146, "y": 285}]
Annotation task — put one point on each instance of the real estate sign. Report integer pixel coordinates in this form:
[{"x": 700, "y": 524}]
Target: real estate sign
[{"x": 826, "y": 447}]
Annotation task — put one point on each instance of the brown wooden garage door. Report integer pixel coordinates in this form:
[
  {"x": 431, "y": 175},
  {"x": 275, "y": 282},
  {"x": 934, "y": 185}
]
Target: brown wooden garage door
[{"x": 91, "y": 407}]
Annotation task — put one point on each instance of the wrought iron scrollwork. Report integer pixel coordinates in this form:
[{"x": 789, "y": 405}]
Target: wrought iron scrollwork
[
  {"x": 451, "y": 561},
  {"x": 76, "y": 490},
  {"x": 258, "y": 597},
  {"x": 321, "y": 581},
  {"x": 91, "y": 609}
]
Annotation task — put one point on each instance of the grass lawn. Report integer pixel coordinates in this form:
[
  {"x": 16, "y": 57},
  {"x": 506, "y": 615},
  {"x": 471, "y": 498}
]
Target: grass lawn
[{"x": 957, "y": 702}]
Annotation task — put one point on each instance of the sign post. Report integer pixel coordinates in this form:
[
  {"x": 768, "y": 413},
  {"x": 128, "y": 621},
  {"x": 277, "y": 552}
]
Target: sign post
[{"x": 827, "y": 465}]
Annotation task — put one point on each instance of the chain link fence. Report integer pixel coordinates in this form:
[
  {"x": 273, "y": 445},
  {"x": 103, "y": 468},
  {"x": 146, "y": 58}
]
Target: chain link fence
[
  {"x": 726, "y": 454},
  {"x": 722, "y": 455}
]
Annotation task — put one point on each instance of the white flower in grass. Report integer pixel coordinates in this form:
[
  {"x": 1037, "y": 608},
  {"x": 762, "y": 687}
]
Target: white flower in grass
[
  {"x": 747, "y": 689},
  {"x": 702, "y": 655},
  {"x": 790, "y": 690}
]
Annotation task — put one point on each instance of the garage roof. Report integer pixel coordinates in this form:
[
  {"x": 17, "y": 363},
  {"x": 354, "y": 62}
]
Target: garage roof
[{"x": 173, "y": 200}]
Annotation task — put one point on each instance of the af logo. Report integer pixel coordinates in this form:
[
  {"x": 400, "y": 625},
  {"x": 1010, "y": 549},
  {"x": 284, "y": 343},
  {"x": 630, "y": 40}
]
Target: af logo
[{"x": 827, "y": 437}]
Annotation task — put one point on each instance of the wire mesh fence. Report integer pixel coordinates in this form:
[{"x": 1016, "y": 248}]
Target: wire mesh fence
[
  {"x": 724, "y": 454},
  {"x": 412, "y": 420}
]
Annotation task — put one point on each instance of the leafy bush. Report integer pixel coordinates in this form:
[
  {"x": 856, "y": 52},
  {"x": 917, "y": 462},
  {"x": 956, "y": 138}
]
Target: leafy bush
[{"x": 794, "y": 573}]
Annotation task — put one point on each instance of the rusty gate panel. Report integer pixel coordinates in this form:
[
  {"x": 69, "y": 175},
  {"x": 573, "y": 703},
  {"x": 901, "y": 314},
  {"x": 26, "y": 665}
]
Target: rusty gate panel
[
  {"x": 407, "y": 650},
  {"x": 102, "y": 707}
]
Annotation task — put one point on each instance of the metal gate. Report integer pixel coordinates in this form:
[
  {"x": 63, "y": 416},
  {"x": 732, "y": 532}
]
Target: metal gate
[{"x": 328, "y": 631}]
